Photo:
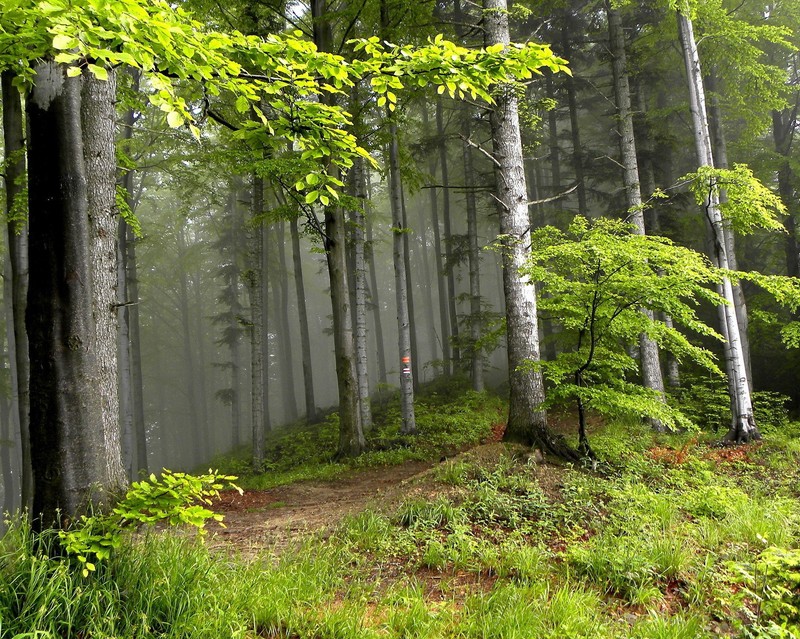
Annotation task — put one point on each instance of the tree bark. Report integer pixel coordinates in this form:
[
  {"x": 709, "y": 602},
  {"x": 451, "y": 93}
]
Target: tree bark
[
  {"x": 527, "y": 422},
  {"x": 648, "y": 349},
  {"x": 475, "y": 325},
  {"x": 14, "y": 145},
  {"x": 74, "y": 445},
  {"x": 572, "y": 102},
  {"x": 376, "y": 303},
  {"x": 359, "y": 184},
  {"x": 408, "y": 421},
  {"x": 449, "y": 262},
  {"x": 743, "y": 427},
  {"x": 441, "y": 283},
  {"x": 285, "y": 341},
  {"x": 257, "y": 314},
  {"x": 302, "y": 313}
]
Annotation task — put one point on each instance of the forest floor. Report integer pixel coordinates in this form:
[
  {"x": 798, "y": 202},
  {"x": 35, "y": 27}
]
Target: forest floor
[{"x": 271, "y": 519}]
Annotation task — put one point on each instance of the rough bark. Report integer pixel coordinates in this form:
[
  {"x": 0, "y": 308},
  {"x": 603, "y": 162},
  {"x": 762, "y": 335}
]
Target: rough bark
[
  {"x": 76, "y": 457},
  {"x": 302, "y": 313},
  {"x": 527, "y": 422},
  {"x": 14, "y": 172},
  {"x": 408, "y": 422},
  {"x": 648, "y": 349},
  {"x": 743, "y": 427}
]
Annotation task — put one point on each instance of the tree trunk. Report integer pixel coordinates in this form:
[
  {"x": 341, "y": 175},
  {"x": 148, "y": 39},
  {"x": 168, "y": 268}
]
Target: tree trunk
[
  {"x": 14, "y": 145},
  {"x": 441, "y": 284},
  {"x": 743, "y": 427},
  {"x": 476, "y": 358},
  {"x": 285, "y": 342},
  {"x": 351, "y": 435},
  {"x": 783, "y": 129},
  {"x": 359, "y": 184},
  {"x": 412, "y": 324},
  {"x": 257, "y": 315},
  {"x": 305, "y": 339},
  {"x": 648, "y": 349},
  {"x": 572, "y": 102},
  {"x": 527, "y": 422},
  {"x": 449, "y": 263},
  {"x": 376, "y": 304},
  {"x": 408, "y": 424},
  {"x": 75, "y": 450}
]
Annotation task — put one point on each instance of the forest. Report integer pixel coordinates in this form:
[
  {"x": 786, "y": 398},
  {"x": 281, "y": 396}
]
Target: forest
[{"x": 369, "y": 318}]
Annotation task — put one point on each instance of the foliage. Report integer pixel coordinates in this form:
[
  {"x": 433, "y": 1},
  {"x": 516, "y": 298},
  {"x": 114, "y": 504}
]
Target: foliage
[
  {"x": 596, "y": 277},
  {"x": 177, "y": 499}
]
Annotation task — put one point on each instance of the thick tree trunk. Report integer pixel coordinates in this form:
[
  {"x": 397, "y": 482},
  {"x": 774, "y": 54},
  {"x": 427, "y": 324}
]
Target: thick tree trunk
[
  {"x": 743, "y": 427},
  {"x": 302, "y": 313},
  {"x": 475, "y": 326},
  {"x": 648, "y": 349},
  {"x": 441, "y": 284},
  {"x": 359, "y": 183},
  {"x": 75, "y": 449},
  {"x": 14, "y": 173},
  {"x": 408, "y": 424},
  {"x": 527, "y": 422},
  {"x": 449, "y": 262}
]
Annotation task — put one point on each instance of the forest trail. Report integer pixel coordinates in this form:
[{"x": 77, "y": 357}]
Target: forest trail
[{"x": 270, "y": 519}]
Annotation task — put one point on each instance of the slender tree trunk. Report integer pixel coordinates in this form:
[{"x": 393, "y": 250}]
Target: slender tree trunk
[
  {"x": 200, "y": 374},
  {"x": 720, "y": 153},
  {"x": 359, "y": 184},
  {"x": 412, "y": 324},
  {"x": 285, "y": 343},
  {"x": 351, "y": 435},
  {"x": 137, "y": 384},
  {"x": 441, "y": 284},
  {"x": 305, "y": 339},
  {"x": 376, "y": 304},
  {"x": 255, "y": 276},
  {"x": 75, "y": 453},
  {"x": 527, "y": 422},
  {"x": 572, "y": 102},
  {"x": 265, "y": 322},
  {"x": 552, "y": 134},
  {"x": 743, "y": 427},
  {"x": 783, "y": 129},
  {"x": 10, "y": 456},
  {"x": 475, "y": 326},
  {"x": 448, "y": 235},
  {"x": 648, "y": 349},
  {"x": 14, "y": 145},
  {"x": 401, "y": 289}
]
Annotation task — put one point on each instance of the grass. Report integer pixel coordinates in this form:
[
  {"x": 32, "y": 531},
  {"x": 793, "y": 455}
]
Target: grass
[{"x": 667, "y": 538}]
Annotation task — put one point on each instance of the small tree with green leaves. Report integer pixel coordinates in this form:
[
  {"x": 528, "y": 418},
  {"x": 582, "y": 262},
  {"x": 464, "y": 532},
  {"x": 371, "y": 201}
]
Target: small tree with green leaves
[{"x": 596, "y": 277}]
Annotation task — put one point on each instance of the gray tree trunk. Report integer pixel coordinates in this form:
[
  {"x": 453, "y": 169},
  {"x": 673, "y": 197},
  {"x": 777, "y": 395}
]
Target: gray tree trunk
[
  {"x": 376, "y": 303},
  {"x": 449, "y": 261},
  {"x": 527, "y": 422},
  {"x": 254, "y": 288},
  {"x": 648, "y": 349},
  {"x": 359, "y": 183},
  {"x": 14, "y": 173},
  {"x": 476, "y": 358},
  {"x": 412, "y": 324},
  {"x": 441, "y": 283},
  {"x": 285, "y": 335},
  {"x": 572, "y": 102},
  {"x": 408, "y": 422},
  {"x": 302, "y": 313},
  {"x": 743, "y": 427},
  {"x": 75, "y": 451}
]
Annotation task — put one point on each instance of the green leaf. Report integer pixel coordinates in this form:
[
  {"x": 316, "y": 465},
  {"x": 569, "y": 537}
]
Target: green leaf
[
  {"x": 62, "y": 41},
  {"x": 101, "y": 73},
  {"x": 73, "y": 72},
  {"x": 174, "y": 119}
]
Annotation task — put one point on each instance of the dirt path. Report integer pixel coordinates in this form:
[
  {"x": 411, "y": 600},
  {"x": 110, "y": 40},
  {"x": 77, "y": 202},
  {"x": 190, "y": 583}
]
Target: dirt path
[{"x": 262, "y": 519}]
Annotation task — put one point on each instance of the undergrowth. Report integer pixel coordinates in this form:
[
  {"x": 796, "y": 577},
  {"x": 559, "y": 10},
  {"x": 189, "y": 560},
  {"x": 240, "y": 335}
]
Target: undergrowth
[{"x": 667, "y": 537}]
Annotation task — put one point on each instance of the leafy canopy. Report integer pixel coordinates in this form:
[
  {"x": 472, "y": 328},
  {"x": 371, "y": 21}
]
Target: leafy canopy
[{"x": 275, "y": 83}]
